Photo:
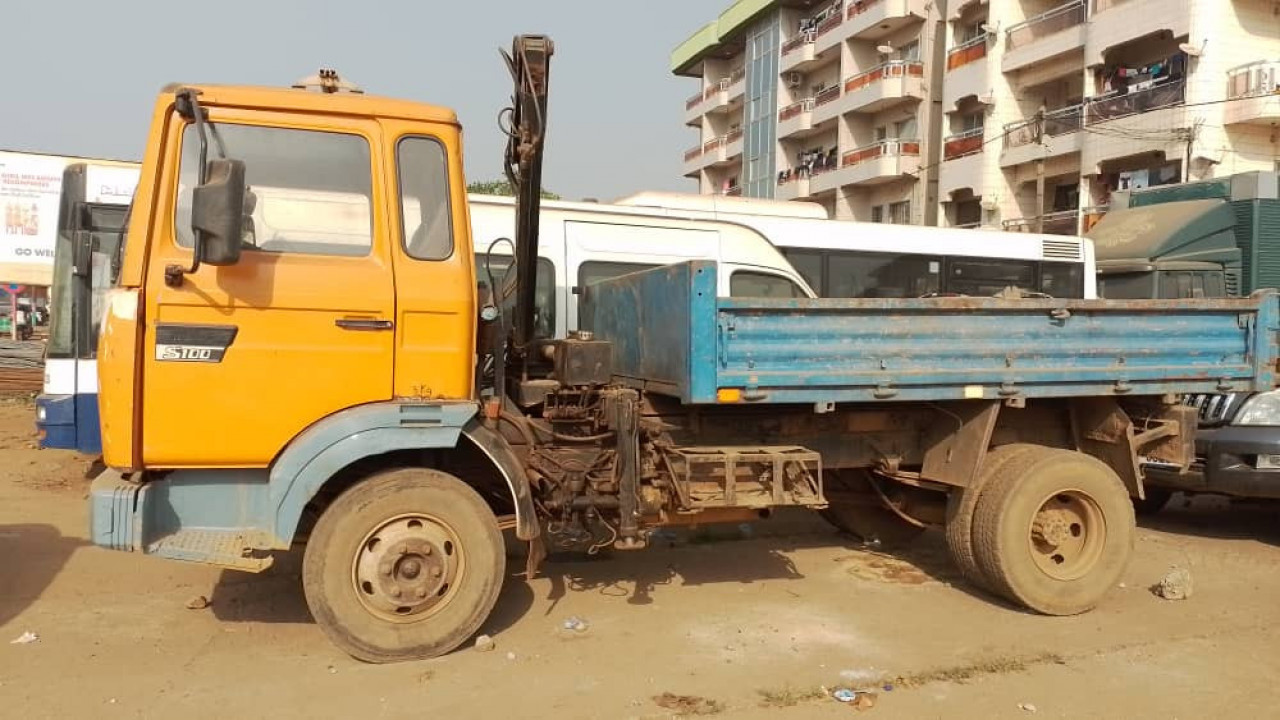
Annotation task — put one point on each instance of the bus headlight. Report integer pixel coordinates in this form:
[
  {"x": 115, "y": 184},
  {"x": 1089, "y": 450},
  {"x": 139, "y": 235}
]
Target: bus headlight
[{"x": 1261, "y": 409}]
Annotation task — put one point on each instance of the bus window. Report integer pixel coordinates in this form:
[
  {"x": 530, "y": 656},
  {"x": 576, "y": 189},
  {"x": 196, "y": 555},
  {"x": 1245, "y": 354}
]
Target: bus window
[
  {"x": 595, "y": 271},
  {"x": 1063, "y": 280},
  {"x": 881, "y": 275},
  {"x": 809, "y": 264},
  {"x": 744, "y": 283},
  {"x": 544, "y": 299},
  {"x": 988, "y": 276}
]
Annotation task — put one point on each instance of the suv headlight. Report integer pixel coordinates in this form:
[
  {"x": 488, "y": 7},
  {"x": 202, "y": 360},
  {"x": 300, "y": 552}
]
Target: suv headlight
[{"x": 1261, "y": 409}]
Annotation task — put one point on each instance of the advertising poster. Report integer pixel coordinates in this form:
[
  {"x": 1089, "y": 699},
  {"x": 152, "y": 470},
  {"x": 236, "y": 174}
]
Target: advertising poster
[{"x": 29, "y": 189}]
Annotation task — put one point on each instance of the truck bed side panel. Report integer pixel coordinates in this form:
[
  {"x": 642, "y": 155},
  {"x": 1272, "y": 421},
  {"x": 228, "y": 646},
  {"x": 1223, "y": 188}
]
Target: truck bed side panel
[{"x": 672, "y": 336}]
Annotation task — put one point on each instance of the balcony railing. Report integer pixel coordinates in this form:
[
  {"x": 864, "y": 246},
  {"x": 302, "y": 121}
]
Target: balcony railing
[
  {"x": 693, "y": 101},
  {"x": 733, "y": 136},
  {"x": 1056, "y": 122},
  {"x": 737, "y": 76},
  {"x": 1062, "y": 222},
  {"x": 797, "y": 42},
  {"x": 1115, "y": 105},
  {"x": 967, "y": 52},
  {"x": 969, "y": 225},
  {"x": 832, "y": 20},
  {"x": 858, "y": 7},
  {"x": 795, "y": 109},
  {"x": 827, "y": 95},
  {"x": 713, "y": 143},
  {"x": 1253, "y": 79},
  {"x": 890, "y": 69},
  {"x": 883, "y": 147},
  {"x": 716, "y": 87},
  {"x": 962, "y": 143},
  {"x": 1045, "y": 24},
  {"x": 692, "y": 153}
]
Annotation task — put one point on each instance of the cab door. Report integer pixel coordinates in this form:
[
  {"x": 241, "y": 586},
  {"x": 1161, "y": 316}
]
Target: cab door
[
  {"x": 435, "y": 277},
  {"x": 238, "y": 360}
]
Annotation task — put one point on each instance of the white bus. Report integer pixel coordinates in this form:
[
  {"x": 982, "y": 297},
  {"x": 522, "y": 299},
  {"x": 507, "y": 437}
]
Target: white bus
[
  {"x": 849, "y": 259},
  {"x": 582, "y": 243}
]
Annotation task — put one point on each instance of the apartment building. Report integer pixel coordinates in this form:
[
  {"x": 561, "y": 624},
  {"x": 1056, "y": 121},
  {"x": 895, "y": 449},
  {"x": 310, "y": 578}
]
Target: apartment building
[
  {"x": 1014, "y": 114},
  {"x": 824, "y": 101}
]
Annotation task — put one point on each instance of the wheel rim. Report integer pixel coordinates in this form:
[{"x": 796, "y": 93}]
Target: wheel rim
[
  {"x": 1067, "y": 534},
  {"x": 408, "y": 567}
]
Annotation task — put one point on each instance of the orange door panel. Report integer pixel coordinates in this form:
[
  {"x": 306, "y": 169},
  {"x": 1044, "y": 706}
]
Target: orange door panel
[
  {"x": 241, "y": 359},
  {"x": 435, "y": 276}
]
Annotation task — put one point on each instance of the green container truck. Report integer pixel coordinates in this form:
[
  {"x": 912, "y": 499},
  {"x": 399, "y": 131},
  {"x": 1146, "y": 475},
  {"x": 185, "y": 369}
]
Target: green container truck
[{"x": 1206, "y": 239}]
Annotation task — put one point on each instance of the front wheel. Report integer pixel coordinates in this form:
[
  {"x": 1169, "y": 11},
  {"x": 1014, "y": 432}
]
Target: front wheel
[{"x": 405, "y": 565}]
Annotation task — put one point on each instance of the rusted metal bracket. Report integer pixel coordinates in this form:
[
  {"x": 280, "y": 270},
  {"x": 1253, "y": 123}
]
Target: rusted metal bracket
[{"x": 955, "y": 452}]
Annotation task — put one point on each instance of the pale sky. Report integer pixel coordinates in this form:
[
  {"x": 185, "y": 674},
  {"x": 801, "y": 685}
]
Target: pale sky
[{"x": 81, "y": 77}]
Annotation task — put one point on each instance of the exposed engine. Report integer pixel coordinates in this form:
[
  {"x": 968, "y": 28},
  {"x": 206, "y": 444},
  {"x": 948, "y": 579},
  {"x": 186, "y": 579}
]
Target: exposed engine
[{"x": 605, "y": 472}]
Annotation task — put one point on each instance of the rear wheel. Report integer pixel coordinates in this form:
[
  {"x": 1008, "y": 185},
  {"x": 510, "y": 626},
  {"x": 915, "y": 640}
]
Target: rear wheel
[
  {"x": 858, "y": 509},
  {"x": 1053, "y": 531},
  {"x": 961, "y": 504},
  {"x": 404, "y": 565}
]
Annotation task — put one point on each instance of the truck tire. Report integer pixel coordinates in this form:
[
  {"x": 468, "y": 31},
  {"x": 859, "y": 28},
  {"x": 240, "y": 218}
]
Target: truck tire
[
  {"x": 868, "y": 521},
  {"x": 404, "y": 565},
  {"x": 960, "y": 507},
  {"x": 1157, "y": 498},
  {"x": 1054, "y": 531}
]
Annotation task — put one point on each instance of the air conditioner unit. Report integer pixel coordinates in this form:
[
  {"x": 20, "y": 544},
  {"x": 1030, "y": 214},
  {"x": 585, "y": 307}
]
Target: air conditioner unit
[{"x": 794, "y": 79}]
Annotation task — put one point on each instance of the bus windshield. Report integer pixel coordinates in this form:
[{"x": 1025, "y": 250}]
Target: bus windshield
[{"x": 76, "y": 301}]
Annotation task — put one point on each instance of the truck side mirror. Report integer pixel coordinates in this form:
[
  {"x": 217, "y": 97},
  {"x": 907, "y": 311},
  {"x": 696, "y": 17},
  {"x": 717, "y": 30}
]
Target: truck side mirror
[{"x": 217, "y": 213}]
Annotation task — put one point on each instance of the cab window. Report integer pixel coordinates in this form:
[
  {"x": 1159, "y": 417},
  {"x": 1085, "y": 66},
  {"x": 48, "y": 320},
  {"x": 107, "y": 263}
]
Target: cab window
[
  {"x": 308, "y": 191},
  {"x": 424, "y": 199}
]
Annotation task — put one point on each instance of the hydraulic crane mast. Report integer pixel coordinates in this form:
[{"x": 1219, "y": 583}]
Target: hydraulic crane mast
[{"x": 529, "y": 62}]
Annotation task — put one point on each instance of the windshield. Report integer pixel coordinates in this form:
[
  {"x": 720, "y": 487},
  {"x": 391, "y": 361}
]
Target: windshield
[
  {"x": 76, "y": 302},
  {"x": 1127, "y": 286}
]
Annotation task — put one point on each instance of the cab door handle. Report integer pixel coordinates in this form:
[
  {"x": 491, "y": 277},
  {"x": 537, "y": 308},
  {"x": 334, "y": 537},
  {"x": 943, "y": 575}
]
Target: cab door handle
[{"x": 363, "y": 324}]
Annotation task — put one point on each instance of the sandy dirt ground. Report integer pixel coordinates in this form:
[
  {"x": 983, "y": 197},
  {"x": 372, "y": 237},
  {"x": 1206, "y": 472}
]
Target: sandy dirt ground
[{"x": 749, "y": 622}]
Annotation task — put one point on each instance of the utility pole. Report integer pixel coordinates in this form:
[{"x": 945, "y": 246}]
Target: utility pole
[{"x": 1040, "y": 170}]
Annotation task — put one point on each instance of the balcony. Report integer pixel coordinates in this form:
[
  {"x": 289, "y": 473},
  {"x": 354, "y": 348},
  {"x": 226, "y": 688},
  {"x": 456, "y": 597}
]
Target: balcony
[
  {"x": 966, "y": 71},
  {"x": 795, "y": 119},
  {"x": 1253, "y": 94},
  {"x": 880, "y": 162},
  {"x": 825, "y": 106},
  {"x": 1063, "y": 222},
  {"x": 883, "y": 86},
  {"x": 874, "y": 19},
  {"x": 967, "y": 52},
  {"x": 1141, "y": 98},
  {"x": 829, "y": 20},
  {"x": 692, "y": 161},
  {"x": 791, "y": 186},
  {"x": 737, "y": 85},
  {"x": 962, "y": 144},
  {"x": 1045, "y": 36},
  {"x": 797, "y": 53},
  {"x": 1115, "y": 22},
  {"x": 1036, "y": 139},
  {"x": 964, "y": 164},
  {"x": 693, "y": 110}
]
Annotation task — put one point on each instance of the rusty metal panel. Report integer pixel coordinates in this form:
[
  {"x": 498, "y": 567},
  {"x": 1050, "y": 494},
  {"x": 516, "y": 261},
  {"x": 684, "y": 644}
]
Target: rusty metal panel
[{"x": 672, "y": 336}]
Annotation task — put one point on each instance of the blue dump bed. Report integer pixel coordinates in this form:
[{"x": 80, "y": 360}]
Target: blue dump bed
[{"x": 672, "y": 335}]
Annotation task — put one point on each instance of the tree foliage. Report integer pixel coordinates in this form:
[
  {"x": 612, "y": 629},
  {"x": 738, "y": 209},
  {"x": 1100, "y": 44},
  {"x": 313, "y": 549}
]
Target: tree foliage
[{"x": 502, "y": 187}]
